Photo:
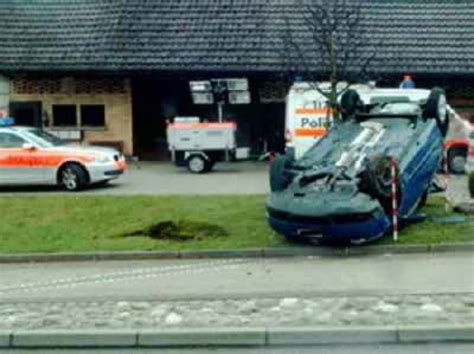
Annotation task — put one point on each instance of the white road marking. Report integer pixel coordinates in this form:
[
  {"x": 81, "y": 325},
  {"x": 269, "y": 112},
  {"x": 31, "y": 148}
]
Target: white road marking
[{"x": 133, "y": 274}]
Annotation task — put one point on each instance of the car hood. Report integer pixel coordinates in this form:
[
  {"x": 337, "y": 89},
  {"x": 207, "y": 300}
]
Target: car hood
[{"x": 322, "y": 203}]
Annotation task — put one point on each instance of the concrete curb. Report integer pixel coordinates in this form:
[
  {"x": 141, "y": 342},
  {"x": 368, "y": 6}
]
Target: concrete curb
[
  {"x": 237, "y": 253},
  {"x": 234, "y": 337}
]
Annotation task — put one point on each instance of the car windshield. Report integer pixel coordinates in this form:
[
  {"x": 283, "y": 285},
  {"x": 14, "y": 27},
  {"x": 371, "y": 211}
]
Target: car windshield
[{"x": 44, "y": 139}]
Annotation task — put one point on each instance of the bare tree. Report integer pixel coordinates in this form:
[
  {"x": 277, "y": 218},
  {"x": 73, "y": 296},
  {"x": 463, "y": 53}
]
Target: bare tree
[{"x": 328, "y": 39}]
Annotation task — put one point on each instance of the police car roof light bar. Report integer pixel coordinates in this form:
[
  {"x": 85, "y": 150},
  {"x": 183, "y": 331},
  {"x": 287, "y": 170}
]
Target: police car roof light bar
[{"x": 7, "y": 122}]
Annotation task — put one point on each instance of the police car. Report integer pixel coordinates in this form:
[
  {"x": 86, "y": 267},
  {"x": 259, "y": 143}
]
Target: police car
[
  {"x": 470, "y": 155},
  {"x": 31, "y": 156}
]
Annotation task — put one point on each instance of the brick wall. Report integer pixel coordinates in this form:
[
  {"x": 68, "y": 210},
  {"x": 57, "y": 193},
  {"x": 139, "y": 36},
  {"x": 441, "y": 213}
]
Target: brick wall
[{"x": 113, "y": 93}]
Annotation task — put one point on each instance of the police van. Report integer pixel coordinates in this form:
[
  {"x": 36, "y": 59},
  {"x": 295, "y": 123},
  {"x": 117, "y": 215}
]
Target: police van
[{"x": 308, "y": 115}]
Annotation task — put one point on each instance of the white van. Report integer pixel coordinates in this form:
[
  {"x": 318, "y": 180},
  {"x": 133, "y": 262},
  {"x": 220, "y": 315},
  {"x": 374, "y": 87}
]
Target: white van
[{"x": 308, "y": 114}]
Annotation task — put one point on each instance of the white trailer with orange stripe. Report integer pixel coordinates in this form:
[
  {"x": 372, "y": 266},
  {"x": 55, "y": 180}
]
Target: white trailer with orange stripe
[
  {"x": 308, "y": 115},
  {"x": 198, "y": 146}
]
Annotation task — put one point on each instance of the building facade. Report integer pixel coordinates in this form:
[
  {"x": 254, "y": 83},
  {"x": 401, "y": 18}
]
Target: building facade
[
  {"x": 113, "y": 72},
  {"x": 93, "y": 110}
]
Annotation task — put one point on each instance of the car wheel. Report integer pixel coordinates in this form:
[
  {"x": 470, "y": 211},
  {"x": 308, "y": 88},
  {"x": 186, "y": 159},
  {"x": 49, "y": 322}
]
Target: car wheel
[
  {"x": 197, "y": 164},
  {"x": 376, "y": 181},
  {"x": 457, "y": 161},
  {"x": 73, "y": 177},
  {"x": 436, "y": 108},
  {"x": 278, "y": 180},
  {"x": 350, "y": 102}
]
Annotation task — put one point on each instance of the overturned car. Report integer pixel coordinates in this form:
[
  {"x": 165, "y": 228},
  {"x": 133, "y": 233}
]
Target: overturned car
[{"x": 341, "y": 189}]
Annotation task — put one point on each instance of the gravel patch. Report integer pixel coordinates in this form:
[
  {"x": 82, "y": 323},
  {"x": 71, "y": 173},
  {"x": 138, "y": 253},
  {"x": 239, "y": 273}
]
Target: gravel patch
[{"x": 319, "y": 311}]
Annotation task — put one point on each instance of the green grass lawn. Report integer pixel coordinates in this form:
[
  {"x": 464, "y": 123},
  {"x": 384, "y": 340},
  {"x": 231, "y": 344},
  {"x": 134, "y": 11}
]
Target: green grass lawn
[{"x": 85, "y": 223}]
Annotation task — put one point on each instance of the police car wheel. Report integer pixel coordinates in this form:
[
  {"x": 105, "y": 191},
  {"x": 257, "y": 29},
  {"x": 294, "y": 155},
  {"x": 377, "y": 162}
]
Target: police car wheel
[
  {"x": 457, "y": 161},
  {"x": 197, "y": 164},
  {"x": 73, "y": 177}
]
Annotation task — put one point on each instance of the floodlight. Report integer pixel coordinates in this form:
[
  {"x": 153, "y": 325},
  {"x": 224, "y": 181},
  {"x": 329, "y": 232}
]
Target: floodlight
[
  {"x": 239, "y": 97},
  {"x": 237, "y": 84},
  {"x": 186, "y": 120},
  {"x": 203, "y": 98},
  {"x": 200, "y": 86}
]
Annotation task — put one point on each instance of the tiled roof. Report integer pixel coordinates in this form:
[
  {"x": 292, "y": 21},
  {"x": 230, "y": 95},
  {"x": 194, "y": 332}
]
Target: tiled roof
[{"x": 420, "y": 36}]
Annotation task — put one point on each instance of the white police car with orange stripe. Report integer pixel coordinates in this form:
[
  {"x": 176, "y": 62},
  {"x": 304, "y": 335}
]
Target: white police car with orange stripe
[{"x": 35, "y": 157}]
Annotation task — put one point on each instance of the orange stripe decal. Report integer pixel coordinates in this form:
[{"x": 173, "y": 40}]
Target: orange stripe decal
[
  {"x": 21, "y": 158},
  {"x": 310, "y": 132}
]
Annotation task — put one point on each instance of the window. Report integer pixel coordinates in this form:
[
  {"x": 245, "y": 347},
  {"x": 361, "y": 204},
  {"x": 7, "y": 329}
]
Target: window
[
  {"x": 92, "y": 116},
  {"x": 64, "y": 115},
  {"x": 8, "y": 140},
  {"x": 43, "y": 139}
]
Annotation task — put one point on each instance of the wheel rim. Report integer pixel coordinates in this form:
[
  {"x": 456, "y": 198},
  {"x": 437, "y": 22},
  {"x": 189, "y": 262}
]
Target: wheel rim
[
  {"x": 458, "y": 163},
  {"x": 69, "y": 179},
  {"x": 196, "y": 164},
  {"x": 386, "y": 178}
]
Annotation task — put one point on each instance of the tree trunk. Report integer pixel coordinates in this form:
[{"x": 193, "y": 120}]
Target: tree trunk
[{"x": 333, "y": 104}]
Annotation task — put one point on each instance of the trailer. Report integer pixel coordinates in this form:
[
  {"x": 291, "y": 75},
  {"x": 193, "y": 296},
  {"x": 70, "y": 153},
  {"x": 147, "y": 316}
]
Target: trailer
[{"x": 199, "y": 145}]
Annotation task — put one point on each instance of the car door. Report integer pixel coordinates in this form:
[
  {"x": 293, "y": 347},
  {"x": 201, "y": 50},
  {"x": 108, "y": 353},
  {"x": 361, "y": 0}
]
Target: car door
[{"x": 15, "y": 160}]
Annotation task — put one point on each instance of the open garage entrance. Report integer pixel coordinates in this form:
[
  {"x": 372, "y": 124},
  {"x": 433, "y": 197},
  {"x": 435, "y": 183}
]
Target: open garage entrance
[{"x": 156, "y": 100}]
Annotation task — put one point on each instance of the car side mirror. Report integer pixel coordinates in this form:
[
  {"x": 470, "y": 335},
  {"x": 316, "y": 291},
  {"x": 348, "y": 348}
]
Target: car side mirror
[{"x": 28, "y": 147}]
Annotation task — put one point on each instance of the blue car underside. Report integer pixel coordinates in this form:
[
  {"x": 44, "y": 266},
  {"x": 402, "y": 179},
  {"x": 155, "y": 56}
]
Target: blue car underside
[{"x": 332, "y": 198}]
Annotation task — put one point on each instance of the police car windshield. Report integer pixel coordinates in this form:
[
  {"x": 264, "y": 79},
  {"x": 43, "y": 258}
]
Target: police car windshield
[{"x": 44, "y": 139}]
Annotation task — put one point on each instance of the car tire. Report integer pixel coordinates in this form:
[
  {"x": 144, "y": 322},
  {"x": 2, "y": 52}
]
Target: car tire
[
  {"x": 376, "y": 181},
  {"x": 197, "y": 164},
  {"x": 436, "y": 109},
  {"x": 73, "y": 177},
  {"x": 350, "y": 102},
  {"x": 457, "y": 160},
  {"x": 278, "y": 180}
]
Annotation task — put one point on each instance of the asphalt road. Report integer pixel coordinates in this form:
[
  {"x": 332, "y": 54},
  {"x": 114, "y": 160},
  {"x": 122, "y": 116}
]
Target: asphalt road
[
  {"x": 436, "y": 348},
  {"x": 163, "y": 178},
  {"x": 209, "y": 279}
]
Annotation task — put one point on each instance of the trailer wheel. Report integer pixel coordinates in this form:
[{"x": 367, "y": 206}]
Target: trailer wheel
[{"x": 197, "y": 164}]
